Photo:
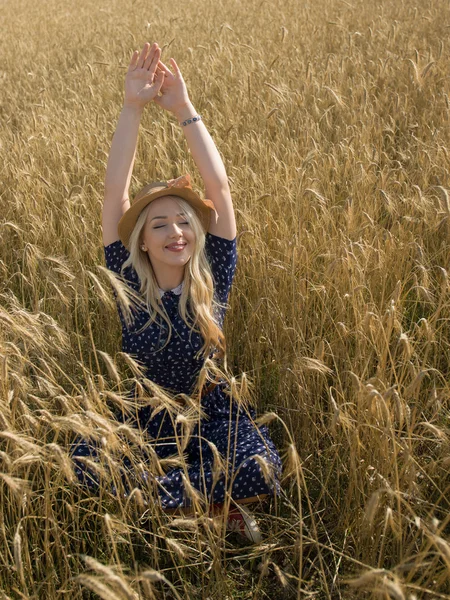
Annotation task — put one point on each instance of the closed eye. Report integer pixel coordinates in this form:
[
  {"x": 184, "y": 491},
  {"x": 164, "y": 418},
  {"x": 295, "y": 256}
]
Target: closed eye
[{"x": 159, "y": 226}]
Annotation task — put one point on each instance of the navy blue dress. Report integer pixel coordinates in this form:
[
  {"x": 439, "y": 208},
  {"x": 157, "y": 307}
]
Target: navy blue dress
[{"x": 175, "y": 367}]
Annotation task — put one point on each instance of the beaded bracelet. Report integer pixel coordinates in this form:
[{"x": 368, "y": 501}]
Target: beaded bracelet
[{"x": 191, "y": 120}]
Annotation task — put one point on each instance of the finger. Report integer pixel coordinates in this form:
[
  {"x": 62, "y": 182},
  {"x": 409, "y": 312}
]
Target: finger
[
  {"x": 169, "y": 76},
  {"x": 151, "y": 55},
  {"x": 143, "y": 55},
  {"x": 160, "y": 72},
  {"x": 133, "y": 60},
  {"x": 162, "y": 66},
  {"x": 157, "y": 84},
  {"x": 154, "y": 62},
  {"x": 175, "y": 67},
  {"x": 159, "y": 80}
]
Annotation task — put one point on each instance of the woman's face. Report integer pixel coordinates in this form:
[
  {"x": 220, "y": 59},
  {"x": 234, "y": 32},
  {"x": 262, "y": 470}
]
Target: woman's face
[{"x": 167, "y": 234}]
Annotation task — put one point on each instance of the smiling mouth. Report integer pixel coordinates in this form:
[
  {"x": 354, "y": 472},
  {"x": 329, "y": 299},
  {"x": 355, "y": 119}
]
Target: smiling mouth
[{"x": 176, "y": 246}]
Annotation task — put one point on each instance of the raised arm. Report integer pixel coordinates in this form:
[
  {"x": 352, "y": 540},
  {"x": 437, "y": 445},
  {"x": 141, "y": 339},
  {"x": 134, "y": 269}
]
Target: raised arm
[
  {"x": 142, "y": 84},
  {"x": 174, "y": 97}
]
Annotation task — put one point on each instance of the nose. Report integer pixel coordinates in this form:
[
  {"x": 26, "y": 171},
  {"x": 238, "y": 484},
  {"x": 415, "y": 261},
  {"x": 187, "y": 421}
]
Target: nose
[{"x": 176, "y": 230}]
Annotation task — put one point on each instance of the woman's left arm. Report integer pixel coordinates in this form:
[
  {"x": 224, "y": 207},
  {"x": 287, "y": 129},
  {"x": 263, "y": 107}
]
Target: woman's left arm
[{"x": 174, "y": 97}]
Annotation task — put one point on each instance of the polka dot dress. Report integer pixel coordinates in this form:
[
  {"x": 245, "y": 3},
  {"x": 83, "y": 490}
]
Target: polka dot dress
[{"x": 175, "y": 367}]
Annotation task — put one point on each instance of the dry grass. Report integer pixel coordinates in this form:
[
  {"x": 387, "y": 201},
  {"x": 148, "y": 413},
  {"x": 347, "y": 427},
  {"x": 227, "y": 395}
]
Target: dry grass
[{"x": 332, "y": 117}]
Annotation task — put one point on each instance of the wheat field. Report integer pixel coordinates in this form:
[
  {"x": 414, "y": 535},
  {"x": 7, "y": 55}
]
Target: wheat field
[{"x": 332, "y": 119}]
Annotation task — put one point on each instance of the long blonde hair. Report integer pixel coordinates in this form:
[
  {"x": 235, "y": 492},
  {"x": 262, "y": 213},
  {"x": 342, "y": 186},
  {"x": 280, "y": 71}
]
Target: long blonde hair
[{"x": 198, "y": 285}]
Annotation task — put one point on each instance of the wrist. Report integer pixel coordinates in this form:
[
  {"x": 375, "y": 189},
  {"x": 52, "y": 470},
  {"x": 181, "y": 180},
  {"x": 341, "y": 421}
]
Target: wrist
[
  {"x": 132, "y": 108},
  {"x": 184, "y": 112}
]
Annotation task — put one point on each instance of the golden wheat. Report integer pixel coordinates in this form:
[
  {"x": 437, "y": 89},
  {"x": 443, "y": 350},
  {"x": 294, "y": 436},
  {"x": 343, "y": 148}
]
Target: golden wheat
[{"x": 332, "y": 118}]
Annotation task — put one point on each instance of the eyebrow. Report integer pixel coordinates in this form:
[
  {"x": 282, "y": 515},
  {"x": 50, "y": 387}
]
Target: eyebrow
[{"x": 178, "y": 215}]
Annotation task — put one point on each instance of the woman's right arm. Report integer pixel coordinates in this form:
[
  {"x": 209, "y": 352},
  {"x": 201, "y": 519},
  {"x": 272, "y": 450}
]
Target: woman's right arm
[
  {"x": 118, "y": 172},
  {"x": 142, "y": 84}
]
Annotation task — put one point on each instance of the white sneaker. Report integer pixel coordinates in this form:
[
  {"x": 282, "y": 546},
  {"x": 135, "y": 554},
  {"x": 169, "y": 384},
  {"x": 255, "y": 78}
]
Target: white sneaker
[{"x": 241, "y": 521}]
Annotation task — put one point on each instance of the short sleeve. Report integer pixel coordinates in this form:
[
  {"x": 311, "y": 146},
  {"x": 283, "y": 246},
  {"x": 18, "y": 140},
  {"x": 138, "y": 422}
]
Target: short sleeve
[
  {"x": 222, "y": 257},
  {"x": 115, "y": 256}
]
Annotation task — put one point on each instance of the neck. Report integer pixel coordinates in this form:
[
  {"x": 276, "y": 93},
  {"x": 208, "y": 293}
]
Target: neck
[{"x": 169, "y": 278}]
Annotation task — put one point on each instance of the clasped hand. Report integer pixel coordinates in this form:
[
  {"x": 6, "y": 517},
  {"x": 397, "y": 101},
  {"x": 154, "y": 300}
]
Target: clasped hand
[{"x": 149, "y": 79}]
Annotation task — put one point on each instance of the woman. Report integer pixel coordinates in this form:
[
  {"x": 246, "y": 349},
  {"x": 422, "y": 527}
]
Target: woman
[{"x": 177, "y": 254}]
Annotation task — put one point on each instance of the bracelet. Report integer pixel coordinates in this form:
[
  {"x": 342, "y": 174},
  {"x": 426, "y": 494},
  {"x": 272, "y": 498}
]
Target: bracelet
[{"x": 191, "y": 120}]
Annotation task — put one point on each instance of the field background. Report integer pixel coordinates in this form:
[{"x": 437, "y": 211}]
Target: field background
[{"x": 332, "y": 118}]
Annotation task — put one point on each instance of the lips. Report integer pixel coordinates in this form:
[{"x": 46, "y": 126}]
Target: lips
[{"x": 176, "y": 245}]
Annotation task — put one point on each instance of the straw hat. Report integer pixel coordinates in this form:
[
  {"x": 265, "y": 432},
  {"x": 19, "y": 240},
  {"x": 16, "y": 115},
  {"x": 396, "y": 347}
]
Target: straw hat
[{"x": 180, "y": 187}]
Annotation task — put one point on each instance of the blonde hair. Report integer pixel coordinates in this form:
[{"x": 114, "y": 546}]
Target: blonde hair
[{"x": 198, "y": 286}]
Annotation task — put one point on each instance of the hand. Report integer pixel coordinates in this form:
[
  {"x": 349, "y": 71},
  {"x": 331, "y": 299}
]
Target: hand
[
  {"x": 174, "y": 96},
  {"x": 143, "y": 81}
]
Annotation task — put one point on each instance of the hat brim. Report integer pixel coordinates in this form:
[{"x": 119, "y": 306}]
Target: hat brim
[{"x": 128, "y": 220}]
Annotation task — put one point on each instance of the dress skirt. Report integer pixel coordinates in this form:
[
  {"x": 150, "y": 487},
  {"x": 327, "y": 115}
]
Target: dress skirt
[{"x": 246, "y": 464}]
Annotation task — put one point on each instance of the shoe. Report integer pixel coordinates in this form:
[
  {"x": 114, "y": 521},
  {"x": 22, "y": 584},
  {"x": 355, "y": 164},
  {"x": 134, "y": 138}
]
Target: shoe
[{"x": 242, "y": 522}]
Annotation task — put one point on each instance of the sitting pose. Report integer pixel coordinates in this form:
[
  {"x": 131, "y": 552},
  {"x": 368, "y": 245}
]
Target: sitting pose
[{"x": 177, "y": 252}]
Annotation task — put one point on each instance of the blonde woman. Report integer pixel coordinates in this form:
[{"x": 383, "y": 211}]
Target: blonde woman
[{"x": 177, "y": 252}]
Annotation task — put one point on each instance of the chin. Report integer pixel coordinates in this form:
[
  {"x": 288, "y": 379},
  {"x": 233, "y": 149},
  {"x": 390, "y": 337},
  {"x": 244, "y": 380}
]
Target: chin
[{"x": 177, "y": 260}]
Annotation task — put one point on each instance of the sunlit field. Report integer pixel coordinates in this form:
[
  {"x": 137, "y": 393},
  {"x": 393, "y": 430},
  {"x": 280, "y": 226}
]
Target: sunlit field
[{"x": 333, "y": 121}]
